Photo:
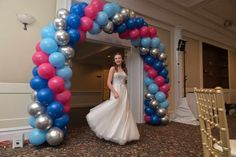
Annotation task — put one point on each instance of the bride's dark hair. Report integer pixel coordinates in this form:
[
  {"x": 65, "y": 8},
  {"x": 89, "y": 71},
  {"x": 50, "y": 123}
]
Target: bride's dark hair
[{"x": 123, "y": 65}]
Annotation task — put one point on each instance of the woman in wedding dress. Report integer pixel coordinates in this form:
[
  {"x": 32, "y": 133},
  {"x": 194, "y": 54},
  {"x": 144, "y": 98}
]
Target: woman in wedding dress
[{"x": 113, "y": 120}]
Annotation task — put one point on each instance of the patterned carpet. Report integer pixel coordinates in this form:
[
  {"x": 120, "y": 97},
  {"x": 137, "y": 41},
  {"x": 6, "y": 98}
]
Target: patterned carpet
[{"x": 172, "y": 140}]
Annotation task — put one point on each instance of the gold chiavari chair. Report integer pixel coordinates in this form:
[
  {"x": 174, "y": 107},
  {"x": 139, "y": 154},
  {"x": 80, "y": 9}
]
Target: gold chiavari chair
[{"x": 213, "y": 123}]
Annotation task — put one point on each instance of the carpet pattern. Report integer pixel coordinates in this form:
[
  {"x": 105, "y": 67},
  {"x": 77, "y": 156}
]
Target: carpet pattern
[{"x": 172, "y": 140}]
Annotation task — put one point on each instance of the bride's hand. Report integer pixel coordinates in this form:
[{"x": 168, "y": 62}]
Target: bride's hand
[{"x": 116, "y": 95}]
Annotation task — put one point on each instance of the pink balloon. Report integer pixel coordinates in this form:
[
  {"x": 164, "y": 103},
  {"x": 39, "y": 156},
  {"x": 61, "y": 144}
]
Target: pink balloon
[
  {"x": 63, "y": 97},
  {"x": 124, "y": 35},
  {"x": 98, "y": 4},
  {"x": 147, "y": 118},
  {"x": 91, "y": 11},
  {"x": 46, "y": 70},
  {"x": 144, "y": 31},
  {"x": 56, "y": 84},
  {"x": 67, "y": 108},
  {"x": 39, "y": 58},
  {"x": 134, "y": 34},
  {"x": 152, "y": 32},
  {"x": 152, "y": 73},
  {"x": 86, "y": 23},
  {"x": 147, "y": 67},
  {"x": 38, "y": 48},
  {"x": 159, "y": 80},
  {"x": 165, "y": 88},
  {"x": 82, "y": 36}
]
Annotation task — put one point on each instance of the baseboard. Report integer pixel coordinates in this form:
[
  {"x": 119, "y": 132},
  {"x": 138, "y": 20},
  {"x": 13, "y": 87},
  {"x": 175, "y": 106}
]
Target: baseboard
[{"x": 7, "y": 134}]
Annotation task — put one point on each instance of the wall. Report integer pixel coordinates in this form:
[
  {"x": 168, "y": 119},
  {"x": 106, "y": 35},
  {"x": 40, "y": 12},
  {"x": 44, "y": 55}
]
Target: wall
[{"x": 17, "y": 45}]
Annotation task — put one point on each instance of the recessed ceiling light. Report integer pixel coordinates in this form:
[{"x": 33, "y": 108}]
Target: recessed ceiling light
[{"x": 108, "y": 56}]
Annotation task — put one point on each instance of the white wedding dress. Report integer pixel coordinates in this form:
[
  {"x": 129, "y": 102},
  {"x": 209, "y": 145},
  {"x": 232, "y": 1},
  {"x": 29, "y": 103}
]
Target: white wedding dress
[{"x": 113, "y": 119}]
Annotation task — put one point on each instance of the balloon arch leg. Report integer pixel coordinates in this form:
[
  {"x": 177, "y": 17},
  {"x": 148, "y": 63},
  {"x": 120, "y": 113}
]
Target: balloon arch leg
[{"x": 52, "y": 73}]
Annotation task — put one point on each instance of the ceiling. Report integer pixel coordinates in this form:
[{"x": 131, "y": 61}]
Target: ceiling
[
  {"x": 220, "y": 12},
  {"x": 96, "y": 53}
]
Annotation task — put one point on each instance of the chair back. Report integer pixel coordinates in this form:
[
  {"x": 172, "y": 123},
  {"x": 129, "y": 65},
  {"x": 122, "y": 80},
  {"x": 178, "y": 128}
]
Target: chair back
[{"x": 213, "y": 122}]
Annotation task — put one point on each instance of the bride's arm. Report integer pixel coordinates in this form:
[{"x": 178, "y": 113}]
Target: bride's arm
[{"x": 109, "y": 80}]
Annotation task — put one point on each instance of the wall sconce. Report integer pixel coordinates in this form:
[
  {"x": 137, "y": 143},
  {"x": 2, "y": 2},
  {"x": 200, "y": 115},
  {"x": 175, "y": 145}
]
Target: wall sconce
[{"x": 25, "y": 19}]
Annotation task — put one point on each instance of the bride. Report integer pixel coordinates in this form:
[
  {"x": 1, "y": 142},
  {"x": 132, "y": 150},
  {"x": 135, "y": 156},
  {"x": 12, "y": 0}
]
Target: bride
[{"x": 112, "y": 120}]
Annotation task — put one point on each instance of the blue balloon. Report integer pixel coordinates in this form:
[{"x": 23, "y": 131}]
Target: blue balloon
[
  {"x": 48, "y": 45},
  {"x": 145, "y": 24},
  {"x": 35, "y": 71},
  {"x": 109, "y": 9},
  {"x": 153, "y": 88},
  {"x": 164, "y": 104},
  {"x": 55, "y": 109},
  {"x": 146, "y": 42},
  {"x": 73, "y": 21},
  {"x": 120, "y": 28},
  {"x": 130, "y": 23},
  {"x": 37, "y": 137},
  {"x": 136, "y": 42},
  {"x": 160, "y": 96},
  {"x": 67, "y": 84},
  {"x": 164, "y": 72},
  {"x": 74, "y": 35},
  {"x": 65, "y": 72},
  {"x": 78, "y": 9},
  {"x": 38, "y": 83},
  {"x": 31, "y": 121},
  {"x": 47, "y": 32},
  {"x": 146, "y": 102},
  {"x": 161, "y": 47},
  {"x": 149, "y": 111},
  {"x": 57, "y": 59},
  {"x": 155, "y": 42},
  {"x": 139, "y": 22},
  {"x": 62, "y": 121},
  {"x": 45, "y": 96},
  {"x": 149, "y": 59},
  {"x": 116, "y": 7},
  {"x": 167, "y": 80},
  {"x": 155, "y": 120},
  {"x": 148, "y": 81},
  {"x": 96, "y": 29},
  {"x": 102, "y": 18},
  {"x": 157, "y": 65}
]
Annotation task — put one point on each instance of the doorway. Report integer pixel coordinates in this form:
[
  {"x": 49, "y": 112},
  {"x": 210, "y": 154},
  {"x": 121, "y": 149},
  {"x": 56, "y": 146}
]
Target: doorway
[{"x": 90, "y": 70}]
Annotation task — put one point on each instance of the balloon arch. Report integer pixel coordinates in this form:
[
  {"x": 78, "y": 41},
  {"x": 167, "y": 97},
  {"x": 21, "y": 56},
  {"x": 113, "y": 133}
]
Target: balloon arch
[{"x": 52, "y": 73}]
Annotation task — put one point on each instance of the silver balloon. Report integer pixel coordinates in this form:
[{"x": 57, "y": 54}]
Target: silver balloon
[
  {"x": 43, "y": 122},
  {"x": 34, "y": 95},
  {"x": 109, "y": 27},
  {"x": 54, "y": 136},
  {"x": 60, "y": 24},
  {"x": 162, "y": 56},
  {"x": 165, "y": 120},
  {"x": 117, "y": 19},
  {"x": 125, "y": 13},
  {"x": 62, "y": 13},
  {"x": 132, "y": 14},
  {"x": 149, "y": 96},
  {"x": 154, "y": 52},
  {"x": 154, "y": 103},
  {"x": 69, "y": 63},
  {"x": 143, "y": 50},
  {"x": 62, "y": 37},
  {"x": 35, "y": 109},
  {"x": 161, "y": 112},
  {"x": 68, "y": 51}
]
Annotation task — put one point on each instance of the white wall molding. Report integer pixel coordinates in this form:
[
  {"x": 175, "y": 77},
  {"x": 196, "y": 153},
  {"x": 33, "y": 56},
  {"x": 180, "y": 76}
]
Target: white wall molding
[{"x": 7, "y": 134}]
